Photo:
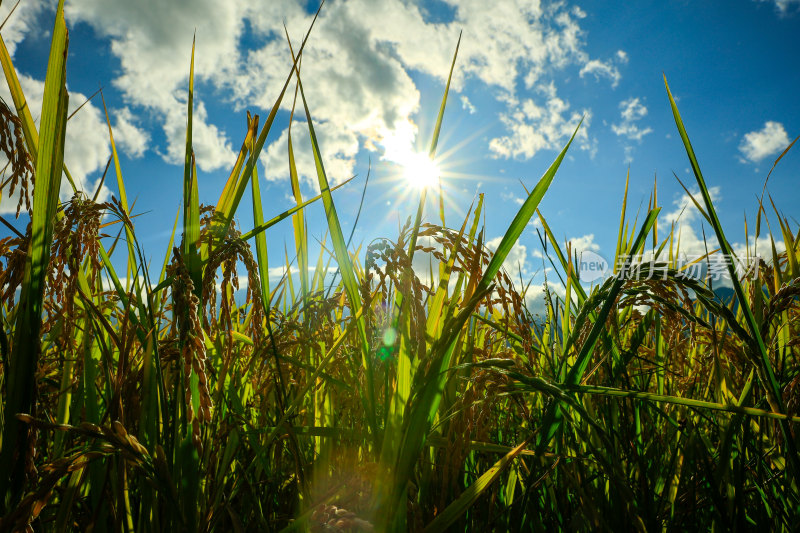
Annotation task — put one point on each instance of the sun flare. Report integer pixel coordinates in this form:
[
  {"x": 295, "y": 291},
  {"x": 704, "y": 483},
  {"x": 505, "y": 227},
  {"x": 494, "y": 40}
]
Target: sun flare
[{"x": 420, "y": 171}]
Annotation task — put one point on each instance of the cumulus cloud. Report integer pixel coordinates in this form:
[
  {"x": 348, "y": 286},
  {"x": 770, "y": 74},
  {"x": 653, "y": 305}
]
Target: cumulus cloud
[
  {"x": 466, "y": 104},
  {"x": 584, "y": 243},
  {"x": 769, "y": 140},
  {"x": 152, "y": 42},
  {"x": 606, "y": 69},
  {"x": 128, "y": 136},
  {"x": 517, "y": 263},
  {"x": 521, "y": 273},
  {"x": 578, "y": 247},
  {"x": 502, "y": 45},
  {"x": 686, "y": 219},
  {"x": 601, "y": 69},
  {"x": 534, "y": 127},
  {"x": 535, "y": 296},
  {"x": 367, "y": 93},
  {"x": 517, "y": 259},
  {"x": 359, "y": 69},
  {"x": 86, "y": 145},
  {"x": 338, "y": 146},
  {"x": 576, "y": 244},
  {"x": 26, "y": 18},
  {"x": 783, "y": 5},
  {"x": 632, "y": 111},
  {"x": 211, "y": 146},
  {"x": 689, "y": 224},
  {"x": 761, "y": 247},
  {"x": 508, "y": 196}
]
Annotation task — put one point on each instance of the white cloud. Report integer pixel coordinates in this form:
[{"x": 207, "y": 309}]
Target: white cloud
[
  {"x": 577, "y": 245},
  {"x": 26, "y": 18},
  {"x": 367, "y": 92},
  {"x": 500, "y": 42},
  {"x": 338, "y": 146},
  {"x": 533, "y": 128},
  {"x": 466, "y": 104},
  {"x": 211, "y": 147},
  {"x": 153, "y": 44},
  {"x": 761, "y": 247},
  {"x": 688, "y": 221},
  {"x": 535, "y": 297},
  {"x": 605, "y": 69},
  {"x": 687, "y": 218},
  {"x": 584, "y": 243},
  {"x": 86, "y": 145},
  {"x": 508, "y": 196},
  {"x": 278, "y": 272},
  {"x": 602, "y": 69},
  {"x": 632, "y": 111},
  {"x": 770, "y": 140},
  {"x": 783, "y": 5},
  {"x": 521, "y": 273},
  {"x": 516, "y": 260},
  {"x": 128, "y": 136},
  {"x": 557, "y": 289}
]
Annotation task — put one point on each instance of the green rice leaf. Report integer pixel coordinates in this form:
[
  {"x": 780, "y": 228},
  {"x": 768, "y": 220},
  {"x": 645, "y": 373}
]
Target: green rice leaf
[
  {"x": 20, "y": 380},
  {"x": 451, "y": 513}
]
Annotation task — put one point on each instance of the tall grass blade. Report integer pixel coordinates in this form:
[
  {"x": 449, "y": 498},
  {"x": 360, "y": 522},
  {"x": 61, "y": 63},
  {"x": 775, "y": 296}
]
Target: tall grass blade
[
  {"x": 765, "y": 371},
  {"x": 187, "y": 455},
  {"x": 239, "y": 177},
  {"x": 432, "y": 153},
  {"x": 451, "y": 513},
  {"x": 191, "y": 202},
  {"x": 428, "y": 387},
  {"x": 347, "y": 270},
  {"x": 261, "y": 240},
  {"x": 20, "y": 378}
]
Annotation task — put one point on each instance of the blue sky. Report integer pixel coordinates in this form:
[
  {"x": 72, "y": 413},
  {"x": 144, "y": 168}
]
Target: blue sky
[{"x": 374, "y": 73}]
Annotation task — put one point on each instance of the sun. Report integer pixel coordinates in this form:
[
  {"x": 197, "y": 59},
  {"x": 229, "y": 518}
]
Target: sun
[{"x": 420, "y": 171}]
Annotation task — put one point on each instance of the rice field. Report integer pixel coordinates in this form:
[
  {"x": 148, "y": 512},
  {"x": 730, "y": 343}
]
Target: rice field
[{"x": 167, "y": 397}]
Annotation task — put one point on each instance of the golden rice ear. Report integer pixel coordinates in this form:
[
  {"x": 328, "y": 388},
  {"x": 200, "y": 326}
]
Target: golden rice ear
[
  {"x": 20, "y": 164},
  {"x": 187, "y": 308}
]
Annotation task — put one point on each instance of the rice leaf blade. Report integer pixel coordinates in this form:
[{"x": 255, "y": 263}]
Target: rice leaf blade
[{"x": 49, "y": 165}]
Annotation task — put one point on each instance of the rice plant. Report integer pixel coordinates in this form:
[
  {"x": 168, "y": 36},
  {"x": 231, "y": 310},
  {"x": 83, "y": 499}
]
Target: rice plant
[{"x": 169, "y": 398}]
